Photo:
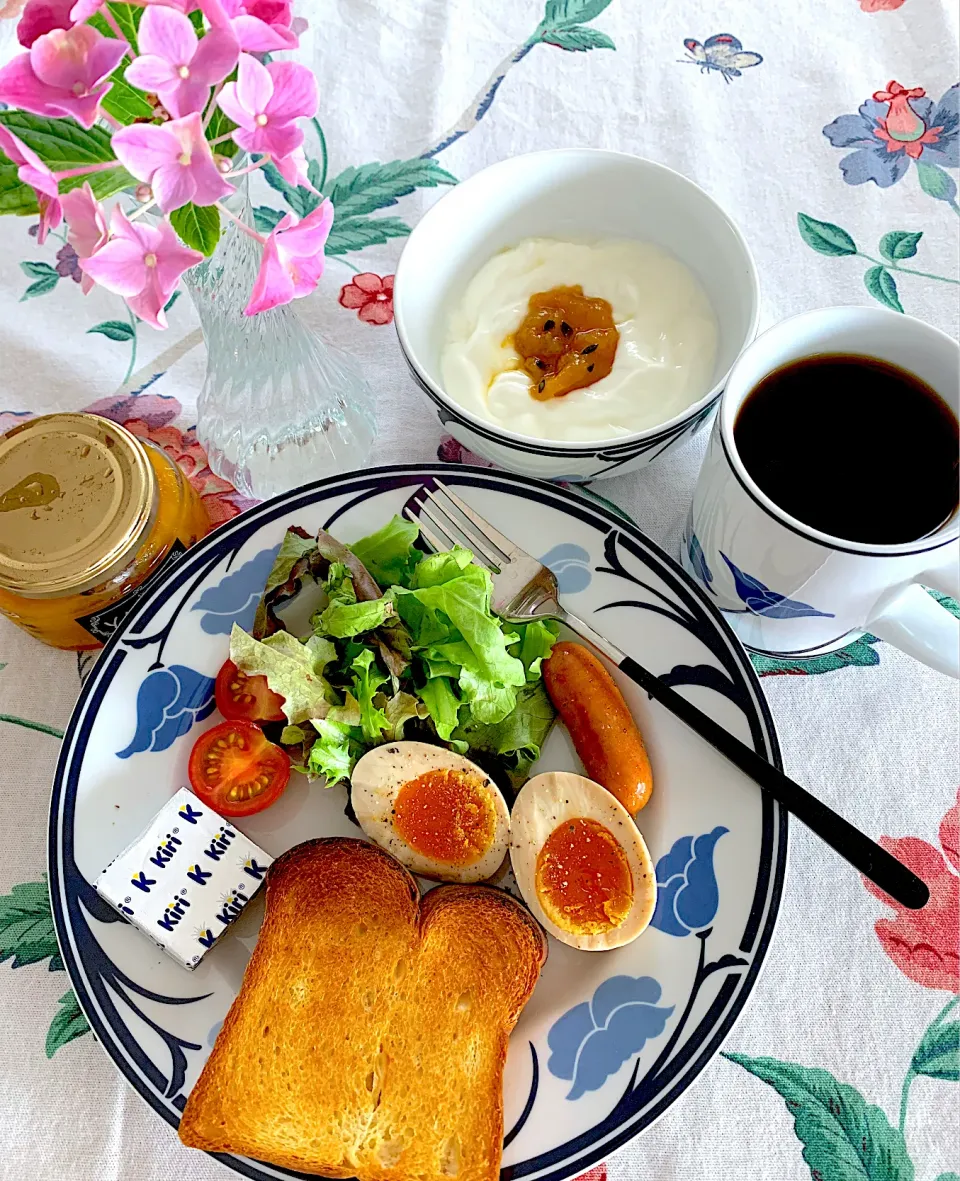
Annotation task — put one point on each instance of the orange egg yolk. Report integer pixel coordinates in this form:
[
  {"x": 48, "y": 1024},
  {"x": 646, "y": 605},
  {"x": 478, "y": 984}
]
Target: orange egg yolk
[
  {"x": 447, "y": 815},
  {"x": 583, "y": 878}
]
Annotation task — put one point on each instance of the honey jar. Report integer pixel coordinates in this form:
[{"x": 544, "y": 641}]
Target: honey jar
[{"x": 89, "y": 515}]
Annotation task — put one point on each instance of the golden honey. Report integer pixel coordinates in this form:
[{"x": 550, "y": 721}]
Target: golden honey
[{"x": 88, "y": 513}]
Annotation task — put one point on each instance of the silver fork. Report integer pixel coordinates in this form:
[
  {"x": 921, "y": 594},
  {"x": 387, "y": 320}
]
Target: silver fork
[{"x": 525, "y": 589}]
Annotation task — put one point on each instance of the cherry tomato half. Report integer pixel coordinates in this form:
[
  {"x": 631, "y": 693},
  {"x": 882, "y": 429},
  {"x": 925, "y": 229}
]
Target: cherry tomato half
[
  {"x": 248, "y": 699},
  {"x": 236, "y": 771}
]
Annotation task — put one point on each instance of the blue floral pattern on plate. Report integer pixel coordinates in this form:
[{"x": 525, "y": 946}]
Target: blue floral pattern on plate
[
  {"x": 169, "y": 701},
  {"x": 234, "y": 598},
  {"x": 571, "y": 565},
  {"x": 687, "y": 894},
  {"x": 761, "y": 600},
  {"x": 592, "y": 1040}
]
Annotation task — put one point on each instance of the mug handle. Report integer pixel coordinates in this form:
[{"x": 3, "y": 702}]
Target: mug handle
[{"x": 917, "y": 624}]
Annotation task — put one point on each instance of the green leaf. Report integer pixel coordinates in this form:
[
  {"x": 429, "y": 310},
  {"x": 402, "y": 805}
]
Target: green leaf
[
  {"x": 357, "y": 191},
  {"x": 367, "y": 679},
  {"x": 844, "y": 1138},
  {"x": 69, "y": 1023},
  {"x": 37, "y": 270},
  {"x": 899, "y": 244},
  {"x": 519, "y": 737},
  {"x": 857, "y": 653},
  {"x": 571, "y": 12},
  {"x": 118, "y": 330},
  {"x": 292, "y": 669},
  {"x": 944, "y": 600},
  {"x": 128, "y": 17},
  {"x": 390, "y": 554},
  {"x": 265, "y": 219},
  {"x": 197, "y": 226},
  {"x": 292, "y": 549},
  {"x": 938, "y": 1055},
  {"x": 578, "y": 38},
  {"x": 824, "y": 236},
  {"x": 62, "y": 144},
  {"x": 125, "y": 102},
  {"x": 357, "y": 233},
  {"x": 300, "y": 200},
  {"x": 935, "y": 182},
  {"x": 334, "y": 753},
  {"x": 219, "y": 125},
  {"x": 26, "y": 926},
  {"x": 442, "y": 705},
  {"x": 41, "y": 287},
  {"x": 883, "y": 287},
  {"x": 948, "y": 1177},
  {"x": 171, "y": 301}
]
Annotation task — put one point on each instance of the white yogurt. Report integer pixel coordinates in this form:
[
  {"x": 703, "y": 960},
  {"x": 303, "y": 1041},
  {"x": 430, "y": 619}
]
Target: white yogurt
[{"x": 665, "y": 356}]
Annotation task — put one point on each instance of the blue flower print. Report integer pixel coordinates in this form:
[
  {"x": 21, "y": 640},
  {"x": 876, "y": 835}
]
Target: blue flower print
[
  {"x": 169, "y": 701},
  {"x": 761, "y": 600},
  {"x": 234, "y": 599},
  {"x": 894, "y": 127},
  {"x": 699, "y": 563},
  {"x": 571, "y": 564},
  {"x": 592, "y": 1040},
  {"x": 687, "y": 894}
]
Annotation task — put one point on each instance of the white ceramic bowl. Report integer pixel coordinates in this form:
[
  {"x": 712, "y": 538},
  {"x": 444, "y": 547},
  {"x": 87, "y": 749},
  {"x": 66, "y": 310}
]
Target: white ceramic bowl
[{"x": 574, "y": 194}]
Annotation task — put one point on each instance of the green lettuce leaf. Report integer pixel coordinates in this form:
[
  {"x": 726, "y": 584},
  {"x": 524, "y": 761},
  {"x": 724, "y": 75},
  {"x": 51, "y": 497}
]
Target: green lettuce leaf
[
  {"x": 389, "y": 554},
  {"x": 344, "y": 616},
  {"x": 367, "y": 680},
  {"x": 399, "y": 710},
  {"x": 536, "y": 643},
  {"x": 442, "y": 705},
  {"x": 518, "y": 738},
  {"x": 460, "y": 607},
  {"x": 335, "y": 752},
  {"x": 292, "y": 669},
  {"x": 292, "y": 549}
]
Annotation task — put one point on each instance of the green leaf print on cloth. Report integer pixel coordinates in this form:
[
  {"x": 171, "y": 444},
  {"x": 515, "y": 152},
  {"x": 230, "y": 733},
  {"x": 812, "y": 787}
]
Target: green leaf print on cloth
[
  {"x": 69, "y": 1023},
  {"x": 27, "y": 937},
  {"x": 26, "y": 927},
  {"x": 832, "y": 240},
  {"x": 844, "y": 1138}
]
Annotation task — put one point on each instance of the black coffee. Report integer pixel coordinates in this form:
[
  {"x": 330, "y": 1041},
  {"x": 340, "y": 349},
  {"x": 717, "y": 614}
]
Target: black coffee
[{"x": 852, "y": 446}]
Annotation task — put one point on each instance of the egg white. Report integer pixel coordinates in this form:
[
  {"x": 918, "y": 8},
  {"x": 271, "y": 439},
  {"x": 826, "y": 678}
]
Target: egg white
[
  {"x": 375, "y": 784},
  {"x": 543, "y": 804}
]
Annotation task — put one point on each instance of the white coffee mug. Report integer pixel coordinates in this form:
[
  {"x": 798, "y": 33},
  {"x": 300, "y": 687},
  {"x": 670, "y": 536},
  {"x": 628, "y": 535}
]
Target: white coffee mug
[{"x": 789, "y": 589}]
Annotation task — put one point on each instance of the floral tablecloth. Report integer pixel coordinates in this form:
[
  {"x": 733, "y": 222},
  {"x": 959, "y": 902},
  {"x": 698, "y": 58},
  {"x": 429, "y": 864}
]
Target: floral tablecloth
[{"x": 845, "y": 1065}]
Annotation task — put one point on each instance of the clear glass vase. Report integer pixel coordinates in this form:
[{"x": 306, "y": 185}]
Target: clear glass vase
[{"x": 279, "y": 406}]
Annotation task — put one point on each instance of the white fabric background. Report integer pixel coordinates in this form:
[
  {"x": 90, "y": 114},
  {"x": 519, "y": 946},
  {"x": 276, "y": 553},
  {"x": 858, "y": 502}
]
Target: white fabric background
[{"x": 878, "y": 743}]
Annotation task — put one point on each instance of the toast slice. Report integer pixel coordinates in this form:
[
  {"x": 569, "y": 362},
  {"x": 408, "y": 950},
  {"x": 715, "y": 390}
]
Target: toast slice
[{"x": 370, "y": 1033}]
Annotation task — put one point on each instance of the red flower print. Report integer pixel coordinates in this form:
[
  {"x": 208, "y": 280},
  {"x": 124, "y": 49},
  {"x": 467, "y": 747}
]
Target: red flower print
[
  {"x": 925, "y": 944},
  {"x": 452, "y": 451},
  {"x": 881, "y": 5},
  {"x": 903, "y": 128},
  {"x": 219, "y": 497},
  {"x": 371, "y": 296},
  {"x": 597, "y": 1173}
]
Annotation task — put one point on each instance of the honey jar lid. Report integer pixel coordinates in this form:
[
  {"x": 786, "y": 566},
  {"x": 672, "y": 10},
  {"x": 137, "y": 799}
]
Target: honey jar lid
[{"x": 76, "y": 496}]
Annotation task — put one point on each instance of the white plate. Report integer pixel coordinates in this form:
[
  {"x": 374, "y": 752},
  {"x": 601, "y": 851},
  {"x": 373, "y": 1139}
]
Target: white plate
[{"x": 608, "y": 1041}]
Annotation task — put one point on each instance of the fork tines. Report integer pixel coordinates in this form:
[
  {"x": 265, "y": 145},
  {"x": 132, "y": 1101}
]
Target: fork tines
[{"x": 452, "y": 522}]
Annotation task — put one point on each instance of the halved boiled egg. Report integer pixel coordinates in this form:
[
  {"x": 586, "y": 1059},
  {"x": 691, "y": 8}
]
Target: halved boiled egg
[
  {"x": 580, "y": 862},
  {"x": 435, "y": 811}
]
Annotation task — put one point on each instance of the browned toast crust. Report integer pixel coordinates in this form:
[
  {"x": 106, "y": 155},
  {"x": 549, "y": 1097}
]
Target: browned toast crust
[{"x": 370, "y": 1032}]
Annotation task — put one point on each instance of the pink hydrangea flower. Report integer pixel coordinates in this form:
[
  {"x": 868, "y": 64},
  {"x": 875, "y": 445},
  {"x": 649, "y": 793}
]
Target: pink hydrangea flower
[
  {"x": 86, "y": 227},
  {"x": 293, "y": 169},
  {"x": 33, "y": 172},
  {"x": 175, "y": 64},
  {"x": 66, "y": 72},
  {"x": 264, "y": 102},
  {"x": 143, "y": 263},
  {"x": 175, "y": 160},
  {"x": 292, "y": 260},
  {"x": 261, "y": 26},
  {"x": 43, "y": 16}
]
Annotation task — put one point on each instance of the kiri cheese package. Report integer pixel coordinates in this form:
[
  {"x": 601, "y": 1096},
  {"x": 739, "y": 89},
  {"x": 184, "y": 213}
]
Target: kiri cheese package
[{"x": 185, "y": 879}]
